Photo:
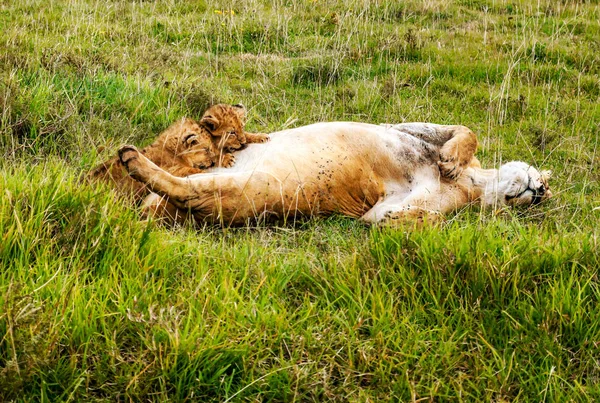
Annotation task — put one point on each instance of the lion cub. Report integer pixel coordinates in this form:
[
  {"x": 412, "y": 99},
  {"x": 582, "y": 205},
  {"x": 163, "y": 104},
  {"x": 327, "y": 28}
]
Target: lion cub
[
  {"x": 183, "y": 149},
  {"x": 187, "y": 147},
  {"x": 226, "y": 124}
]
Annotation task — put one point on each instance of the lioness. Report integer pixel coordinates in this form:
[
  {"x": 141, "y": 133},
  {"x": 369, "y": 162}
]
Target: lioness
[
  {"x": 188, "y": 147},
  {"x": 390, "y": 173}
]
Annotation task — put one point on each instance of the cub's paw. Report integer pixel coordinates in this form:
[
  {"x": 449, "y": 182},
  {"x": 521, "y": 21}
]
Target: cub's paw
[
  {"x": 227, "y": 160},
  {"x": 257, "y": 137},
  {"x": 262, "y": 138}
]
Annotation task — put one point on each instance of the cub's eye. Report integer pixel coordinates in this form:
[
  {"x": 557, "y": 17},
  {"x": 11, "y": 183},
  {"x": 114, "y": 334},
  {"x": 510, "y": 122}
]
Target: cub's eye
[{"x": 191, "y": 139}]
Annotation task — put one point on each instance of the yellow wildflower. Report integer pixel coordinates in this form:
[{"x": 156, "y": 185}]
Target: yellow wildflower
[{"x": 221, "y": 12}]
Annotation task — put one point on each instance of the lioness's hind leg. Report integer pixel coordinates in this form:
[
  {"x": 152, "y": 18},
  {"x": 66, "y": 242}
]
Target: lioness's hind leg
[
  {"x": 136, "y": 164},
  {"x": 145, "y": 171},
  {"x": 160, "y": 209}
]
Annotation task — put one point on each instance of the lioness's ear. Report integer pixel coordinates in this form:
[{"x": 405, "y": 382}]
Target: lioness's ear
[
  {"x": 240, "y": 110},
  {"x": 190, "y": 139},
  {"x": 210, "y": 123}
]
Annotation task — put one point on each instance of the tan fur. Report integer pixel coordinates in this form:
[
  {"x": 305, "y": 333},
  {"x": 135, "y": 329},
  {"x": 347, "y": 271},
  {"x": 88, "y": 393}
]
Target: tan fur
[
  {"x": 413, "y": 172},
  {"x": 215, "y": 136},
  {"x": 226, "y": 124},
  {"x": 183, "y": 149}
]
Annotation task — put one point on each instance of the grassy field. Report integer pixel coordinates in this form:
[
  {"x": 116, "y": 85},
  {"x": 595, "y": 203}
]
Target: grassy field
[{"x": 96, "y": 305}]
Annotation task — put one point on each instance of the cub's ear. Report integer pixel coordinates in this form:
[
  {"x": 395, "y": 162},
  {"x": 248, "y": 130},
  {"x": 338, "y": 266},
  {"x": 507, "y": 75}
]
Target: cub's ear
[
  {"x": 210, "y": 123},
  {"x": 190, "y": 139},
  {"x": 240, "y": 110}
]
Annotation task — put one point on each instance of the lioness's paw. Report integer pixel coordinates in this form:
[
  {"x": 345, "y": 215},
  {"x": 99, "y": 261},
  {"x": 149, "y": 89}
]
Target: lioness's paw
[
  {"x": 450, "y": 169},
  {"x": 227, "y": 161},
  {"x": 452, "y": 162},
  {"x": 457, "y": 154},
  {"x": 127, "y": 154},
  {"x": 412, "y": 217}
]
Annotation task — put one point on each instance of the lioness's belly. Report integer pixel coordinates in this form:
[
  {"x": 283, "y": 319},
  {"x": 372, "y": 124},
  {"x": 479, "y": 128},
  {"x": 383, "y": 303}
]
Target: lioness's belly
[{"x": 335, "y": 167}]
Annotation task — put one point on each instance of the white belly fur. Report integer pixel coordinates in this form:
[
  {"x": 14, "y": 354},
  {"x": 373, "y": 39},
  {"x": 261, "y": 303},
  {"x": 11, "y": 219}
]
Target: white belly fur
[{"x": 289, "y": 148}]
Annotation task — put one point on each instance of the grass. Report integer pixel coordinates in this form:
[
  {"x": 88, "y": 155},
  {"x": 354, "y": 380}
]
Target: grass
[{"x": 96, "y": 305}]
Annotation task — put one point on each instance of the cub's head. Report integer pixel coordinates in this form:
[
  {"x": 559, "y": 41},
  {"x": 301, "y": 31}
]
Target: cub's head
[
  {"x": 520, "y": 184},
  {"x": 226, "y": 124},
  {"x": 187, "y": 140}
]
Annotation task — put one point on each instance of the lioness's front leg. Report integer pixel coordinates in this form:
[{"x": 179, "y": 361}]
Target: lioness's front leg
[
  {"x": 458, "y": 152},
  {"x": 413, "y": 217},
  {"x": 165, "y": 212},
  {"x": 457, "y": 144},
  {"x": 402, "y": 214},
  {"x": 426, "y": 205}
]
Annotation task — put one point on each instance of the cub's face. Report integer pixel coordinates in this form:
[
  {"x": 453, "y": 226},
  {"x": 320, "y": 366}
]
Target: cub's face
[
  {"x": 196, "y": 145},
  {"x": 226, "y": 124},
  {"x": 522, "y": 184}
]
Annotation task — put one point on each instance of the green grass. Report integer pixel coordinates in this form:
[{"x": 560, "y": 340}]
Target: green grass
[{"x": 96, "y": 305}]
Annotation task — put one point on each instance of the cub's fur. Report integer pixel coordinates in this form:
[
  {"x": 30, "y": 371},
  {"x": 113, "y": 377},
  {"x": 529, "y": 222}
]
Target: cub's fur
[
  {"x": 187, "y": 147},
  {"x": 226, "y": 123},
  {"x": 408, "y": 173},
  {"x": 183, "y": 149}
]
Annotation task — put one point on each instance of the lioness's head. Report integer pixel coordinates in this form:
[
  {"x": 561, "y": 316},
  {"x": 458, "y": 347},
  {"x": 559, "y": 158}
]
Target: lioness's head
[
  {"x": 186, "y": 139},
  {"x": 520, "y": 184},
  {"x": 226, "y": 123}
]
